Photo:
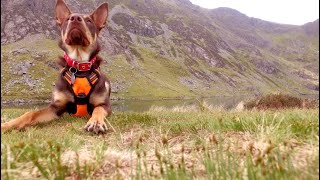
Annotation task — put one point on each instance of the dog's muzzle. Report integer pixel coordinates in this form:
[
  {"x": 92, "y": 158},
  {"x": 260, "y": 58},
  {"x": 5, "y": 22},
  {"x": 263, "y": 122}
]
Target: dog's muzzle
[{"x": 77, "y": 37}]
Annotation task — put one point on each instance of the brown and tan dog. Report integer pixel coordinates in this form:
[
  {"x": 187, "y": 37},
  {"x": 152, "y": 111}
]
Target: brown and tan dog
[{"x": 81, "y": 89}]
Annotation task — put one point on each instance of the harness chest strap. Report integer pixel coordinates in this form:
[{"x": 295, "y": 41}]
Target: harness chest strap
[
  {"x": 92, "y": 78},
  {"x": 82, "y": 87}
]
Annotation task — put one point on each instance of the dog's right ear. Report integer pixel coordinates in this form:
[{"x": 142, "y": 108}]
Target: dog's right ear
[{"x": 62, "y": 12}]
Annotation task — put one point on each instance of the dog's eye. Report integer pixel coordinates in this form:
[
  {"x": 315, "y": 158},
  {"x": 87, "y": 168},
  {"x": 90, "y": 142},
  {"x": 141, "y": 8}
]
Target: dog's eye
[{"x": 89, "y": 21}]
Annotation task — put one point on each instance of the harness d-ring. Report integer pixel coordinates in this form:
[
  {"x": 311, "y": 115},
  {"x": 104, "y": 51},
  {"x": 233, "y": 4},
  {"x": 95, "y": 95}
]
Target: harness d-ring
[{"x": 73, "y": 70}]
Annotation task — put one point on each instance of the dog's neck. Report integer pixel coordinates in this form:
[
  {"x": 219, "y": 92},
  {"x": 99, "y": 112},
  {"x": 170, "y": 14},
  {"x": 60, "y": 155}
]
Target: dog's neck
[{"x": 78, "y": 54}]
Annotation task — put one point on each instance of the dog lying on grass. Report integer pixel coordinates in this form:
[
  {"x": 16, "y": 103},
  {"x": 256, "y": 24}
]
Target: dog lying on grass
[{"x": 81, "y": 89}]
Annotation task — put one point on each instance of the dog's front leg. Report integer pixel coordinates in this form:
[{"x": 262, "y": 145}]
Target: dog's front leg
[
  {"x": 31, "y": 118},
  {"x": 96, "y": 123},
  {"x": 100, "y": 99},
  {"x": 53, "y": 111}
]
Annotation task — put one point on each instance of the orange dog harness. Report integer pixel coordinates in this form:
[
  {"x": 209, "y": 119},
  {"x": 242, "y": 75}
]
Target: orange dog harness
[{"x": 81, "y": 87}]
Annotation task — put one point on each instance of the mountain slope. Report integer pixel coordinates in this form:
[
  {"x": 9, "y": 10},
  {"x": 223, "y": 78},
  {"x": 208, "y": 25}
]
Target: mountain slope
[{"x": 163, "y": 48}]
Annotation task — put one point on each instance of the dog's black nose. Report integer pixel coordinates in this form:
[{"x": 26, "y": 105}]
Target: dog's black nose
[{"x": 75, "y": 18}]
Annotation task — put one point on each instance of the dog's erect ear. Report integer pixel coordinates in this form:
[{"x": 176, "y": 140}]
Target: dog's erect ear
[
  {"x": 100, "y": 15},
  {"x": 62, "y": 12}
]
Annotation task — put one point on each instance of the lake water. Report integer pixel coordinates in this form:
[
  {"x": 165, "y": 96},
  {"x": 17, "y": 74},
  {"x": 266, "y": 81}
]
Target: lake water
[{"x": 145, "y": 105}]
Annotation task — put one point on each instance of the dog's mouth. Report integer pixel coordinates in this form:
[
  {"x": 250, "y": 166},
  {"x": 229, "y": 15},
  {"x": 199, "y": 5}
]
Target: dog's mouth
[{"x": 77, "y": 37}]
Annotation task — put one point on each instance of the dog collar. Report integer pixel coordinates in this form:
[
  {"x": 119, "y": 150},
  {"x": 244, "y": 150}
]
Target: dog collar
[{"x": 85, "y": 66}]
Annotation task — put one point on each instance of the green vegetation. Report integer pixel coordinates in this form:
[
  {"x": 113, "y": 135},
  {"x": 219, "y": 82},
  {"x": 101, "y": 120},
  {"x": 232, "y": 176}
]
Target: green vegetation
[
  {"x": 157, "y": 68},
  {"x": 280, "y": 101},
  {"x": 168, "y": 49},
  {"x": 180, "y": 143}
]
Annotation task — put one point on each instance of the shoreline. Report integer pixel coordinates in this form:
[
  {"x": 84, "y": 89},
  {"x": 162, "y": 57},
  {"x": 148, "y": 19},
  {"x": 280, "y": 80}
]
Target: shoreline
[
  {"x": 39, "y": 101},
  {"x": 23, "y": 102}
]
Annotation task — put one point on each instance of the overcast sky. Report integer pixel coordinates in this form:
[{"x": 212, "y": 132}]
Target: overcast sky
[{"x": 295, "y": 12}]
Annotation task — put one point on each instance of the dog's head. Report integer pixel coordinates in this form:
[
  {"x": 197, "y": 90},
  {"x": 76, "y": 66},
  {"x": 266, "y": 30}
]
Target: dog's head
[{"x": 80, "y": 31}]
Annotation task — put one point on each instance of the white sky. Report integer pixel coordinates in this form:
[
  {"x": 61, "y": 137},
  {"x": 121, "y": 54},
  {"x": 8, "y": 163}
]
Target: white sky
[{"x": 295, "y": 12}]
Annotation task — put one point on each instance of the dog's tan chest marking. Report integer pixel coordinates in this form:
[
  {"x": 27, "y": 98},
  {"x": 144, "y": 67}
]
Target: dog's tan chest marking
[{"x": 78, "y": 53}]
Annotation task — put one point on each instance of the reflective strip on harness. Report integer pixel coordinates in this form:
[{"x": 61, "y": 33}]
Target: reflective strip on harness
[{"x": 82, "y": 87}]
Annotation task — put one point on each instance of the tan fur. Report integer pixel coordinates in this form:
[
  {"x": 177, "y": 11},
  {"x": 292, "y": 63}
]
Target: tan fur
[
  {"x": 61, "y": 98},
  {"x": 96, "y": 99},
  {"x": 98, "y": 114},
  {"x": 30, "y": 118},
  {"x": 88, "y": 34},
  {"x": 107, "y": 87},
  {"x": 79, "y": 53},
  {"x": 97, "y": 119}
]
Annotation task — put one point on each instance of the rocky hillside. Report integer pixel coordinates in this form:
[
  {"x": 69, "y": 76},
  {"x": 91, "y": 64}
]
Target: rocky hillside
[{"x": 163, "y": 48}]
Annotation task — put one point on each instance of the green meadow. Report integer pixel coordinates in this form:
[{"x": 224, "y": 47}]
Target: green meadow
[{"x": 186, "y": 142}]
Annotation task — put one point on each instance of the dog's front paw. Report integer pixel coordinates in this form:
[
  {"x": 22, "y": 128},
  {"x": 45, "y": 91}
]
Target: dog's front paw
[{"x": 96, "y": 126}]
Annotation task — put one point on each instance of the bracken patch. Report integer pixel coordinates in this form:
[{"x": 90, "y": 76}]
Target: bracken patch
[{"x": 280, "y": 101}]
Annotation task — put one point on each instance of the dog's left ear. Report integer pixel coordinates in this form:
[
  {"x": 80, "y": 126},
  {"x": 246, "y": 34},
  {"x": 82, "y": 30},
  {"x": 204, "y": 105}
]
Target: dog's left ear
[{"x": 100, "y": 16}]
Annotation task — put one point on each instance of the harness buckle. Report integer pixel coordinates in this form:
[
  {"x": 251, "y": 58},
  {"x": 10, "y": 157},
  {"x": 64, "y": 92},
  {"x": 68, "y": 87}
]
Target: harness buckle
[
  {"x": 81, "y": 96},
  {"x": 86, "y": 66}
]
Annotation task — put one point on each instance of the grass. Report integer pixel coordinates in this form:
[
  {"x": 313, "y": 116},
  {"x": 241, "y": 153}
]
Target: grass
[{"x": 192, "y": 142}]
